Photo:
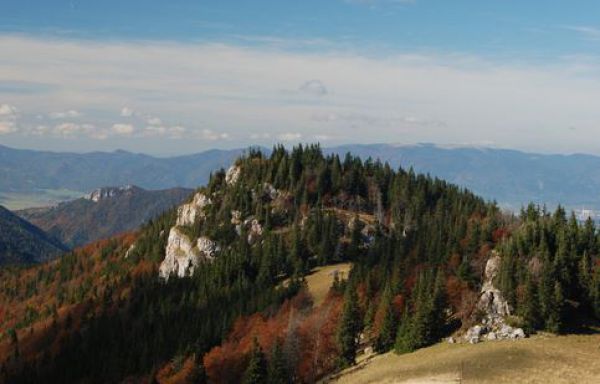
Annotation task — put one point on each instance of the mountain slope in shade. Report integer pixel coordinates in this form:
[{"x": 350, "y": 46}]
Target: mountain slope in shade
[
  {"x": 23, "y": 243},
  {"x": 103, "y": 213}
]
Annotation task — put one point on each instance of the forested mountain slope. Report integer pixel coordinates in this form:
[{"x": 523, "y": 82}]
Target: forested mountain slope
[
  {"x": 23, "y": 243},
  {"x": 214, "y": 290},
  {"x": 104, "y": 213}
]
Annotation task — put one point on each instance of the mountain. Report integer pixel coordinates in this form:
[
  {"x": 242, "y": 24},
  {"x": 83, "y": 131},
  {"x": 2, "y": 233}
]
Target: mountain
[
  {"x": 23, "y": 243},
  {"x": 43, "y": 176},
  {"x": 221, "y": 289},
  {"x": 510, "y": 177},
  {"x": 103, "y": 213}
]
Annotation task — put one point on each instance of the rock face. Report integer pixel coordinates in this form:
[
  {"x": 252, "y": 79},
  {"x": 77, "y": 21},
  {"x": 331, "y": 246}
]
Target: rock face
[
  {"x": 182, "y": 256},
  {"x": 187, "y": 213},
  {"x": 495, "y": 308},
  {"x": 108, "y": 192},
  {"x": 255, "y": 231},
  {"x": 232, "y": 175},
  {"x": 491, "y": 300}
]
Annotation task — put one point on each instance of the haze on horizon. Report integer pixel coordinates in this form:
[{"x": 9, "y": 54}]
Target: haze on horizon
[{"x": 184, "y": 76}]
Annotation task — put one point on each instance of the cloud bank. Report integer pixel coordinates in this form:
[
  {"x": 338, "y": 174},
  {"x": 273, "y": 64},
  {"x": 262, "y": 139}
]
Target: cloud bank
[{"x": 201, "y": 95}]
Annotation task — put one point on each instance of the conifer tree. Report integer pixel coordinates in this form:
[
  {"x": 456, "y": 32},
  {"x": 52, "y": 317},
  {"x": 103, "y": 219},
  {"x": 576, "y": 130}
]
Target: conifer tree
[
  {"x": 277, "y": 370},
  {"x": 256, "y": 373},
  {"x": 387, "y": 334},
  {"x": 349, "y": 328}
]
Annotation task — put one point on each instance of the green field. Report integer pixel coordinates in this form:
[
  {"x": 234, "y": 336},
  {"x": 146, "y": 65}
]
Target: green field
[
  {"x": 42, "y": 198},
  {"x": 544, "y": 359}
]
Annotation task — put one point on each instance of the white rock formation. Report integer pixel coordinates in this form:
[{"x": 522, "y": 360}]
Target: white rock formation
[
  {"x": 129, "y": 250},
  {"x": 495, "y": 307},
  {"x": 187, "y": 213},
  {"x": 232, "y": 175},
  {"x": 271, "y": 191},
  {"x": 182, "y": 256},
  {"x": 108, "y": 192},
  {"x": 236, "y": 217},
  {"x": 491, "y": 300},
  {"x": 255, "y": 231},
  {"x": 208, "y": 248}
]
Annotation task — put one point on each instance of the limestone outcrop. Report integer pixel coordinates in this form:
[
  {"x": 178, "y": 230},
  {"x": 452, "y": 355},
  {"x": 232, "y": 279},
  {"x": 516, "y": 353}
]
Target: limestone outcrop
[
  {"x": 233, "y": 174},
  {"x": 188, "y": 213},
  {"x": 495, "y": 308},
  {"x": 182, "y": 256}
]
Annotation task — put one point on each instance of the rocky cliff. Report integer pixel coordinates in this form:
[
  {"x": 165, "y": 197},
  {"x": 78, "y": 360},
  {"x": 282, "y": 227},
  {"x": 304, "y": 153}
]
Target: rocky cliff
[{"x": 182, "y": 254}]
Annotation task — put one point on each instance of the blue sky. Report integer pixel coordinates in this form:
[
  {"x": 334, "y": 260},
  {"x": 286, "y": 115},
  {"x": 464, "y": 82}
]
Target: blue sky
[{"x": 181, "y": 76}]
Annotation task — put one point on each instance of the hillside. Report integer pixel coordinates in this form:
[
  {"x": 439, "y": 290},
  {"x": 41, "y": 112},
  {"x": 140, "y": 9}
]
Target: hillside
[
  {"x": 233, "y": 283},
  {"x": 103, "y": 213},
  {"x": 541, "y": 359},
  {"x": 23, "y": 243}
]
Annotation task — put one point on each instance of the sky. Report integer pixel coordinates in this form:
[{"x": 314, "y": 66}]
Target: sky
[{"x": 175, "y": 77}]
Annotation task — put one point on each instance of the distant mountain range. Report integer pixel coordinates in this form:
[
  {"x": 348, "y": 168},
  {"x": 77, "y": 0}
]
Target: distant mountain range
[
  {"x": 511, "y": 177},
  {"x": 103, "y": 213},
  {"x": 24, "y": 243}
]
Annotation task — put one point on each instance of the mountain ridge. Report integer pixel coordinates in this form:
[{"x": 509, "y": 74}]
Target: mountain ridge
[
  {"x": 511, "y": 177},
  {"x": 104, "y": 213}
]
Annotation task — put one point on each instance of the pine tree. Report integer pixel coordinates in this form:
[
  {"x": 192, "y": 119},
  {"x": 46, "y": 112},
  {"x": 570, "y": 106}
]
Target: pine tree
[
  {"x": 256, "y": 373},
  {"x": 349, "y": 328}
]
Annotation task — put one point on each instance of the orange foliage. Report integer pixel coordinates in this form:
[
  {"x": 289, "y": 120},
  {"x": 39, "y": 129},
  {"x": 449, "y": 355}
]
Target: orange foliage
[
  {"x": 171, "y": 373},
  {"x": 312, "y": 332}
]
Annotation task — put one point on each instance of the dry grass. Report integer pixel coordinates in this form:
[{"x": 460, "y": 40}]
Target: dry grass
[
  {"x": 321, "y": 279},
  {"x": 540, "y": 359}
]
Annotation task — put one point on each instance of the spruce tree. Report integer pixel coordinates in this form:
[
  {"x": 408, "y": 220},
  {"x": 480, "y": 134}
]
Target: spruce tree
[
  {"x": 349, "y": 328},
  {"x": 278, "y": 373},
  {"x": 256, "y": 373},
  {"x": 387, "y": 334}
]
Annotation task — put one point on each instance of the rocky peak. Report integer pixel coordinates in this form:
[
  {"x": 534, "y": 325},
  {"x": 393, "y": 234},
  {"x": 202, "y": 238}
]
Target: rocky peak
[{"x": 110, "y": 192}]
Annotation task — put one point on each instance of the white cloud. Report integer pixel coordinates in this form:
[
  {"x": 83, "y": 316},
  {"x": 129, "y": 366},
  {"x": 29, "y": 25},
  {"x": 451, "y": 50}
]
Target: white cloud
[
  {"x": 314, "y": 87},
  {"x": 7, "y": 110},
  {"x": 587, "y": 32},
  {"x": 73, "y": 129},
  {"x": 208, "y": 134},
  {"x": 7, "y": 127},
  {"x": 154, "y": 121},
  {"x": 403, "y": 97},
  {"x": 65, "y": 115},
  {"x": 289, "y": 136},
  {"x": 126, "y": 112},
  {"x": 123, "y": 129},
  {"x": 260, "y": 136}
]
